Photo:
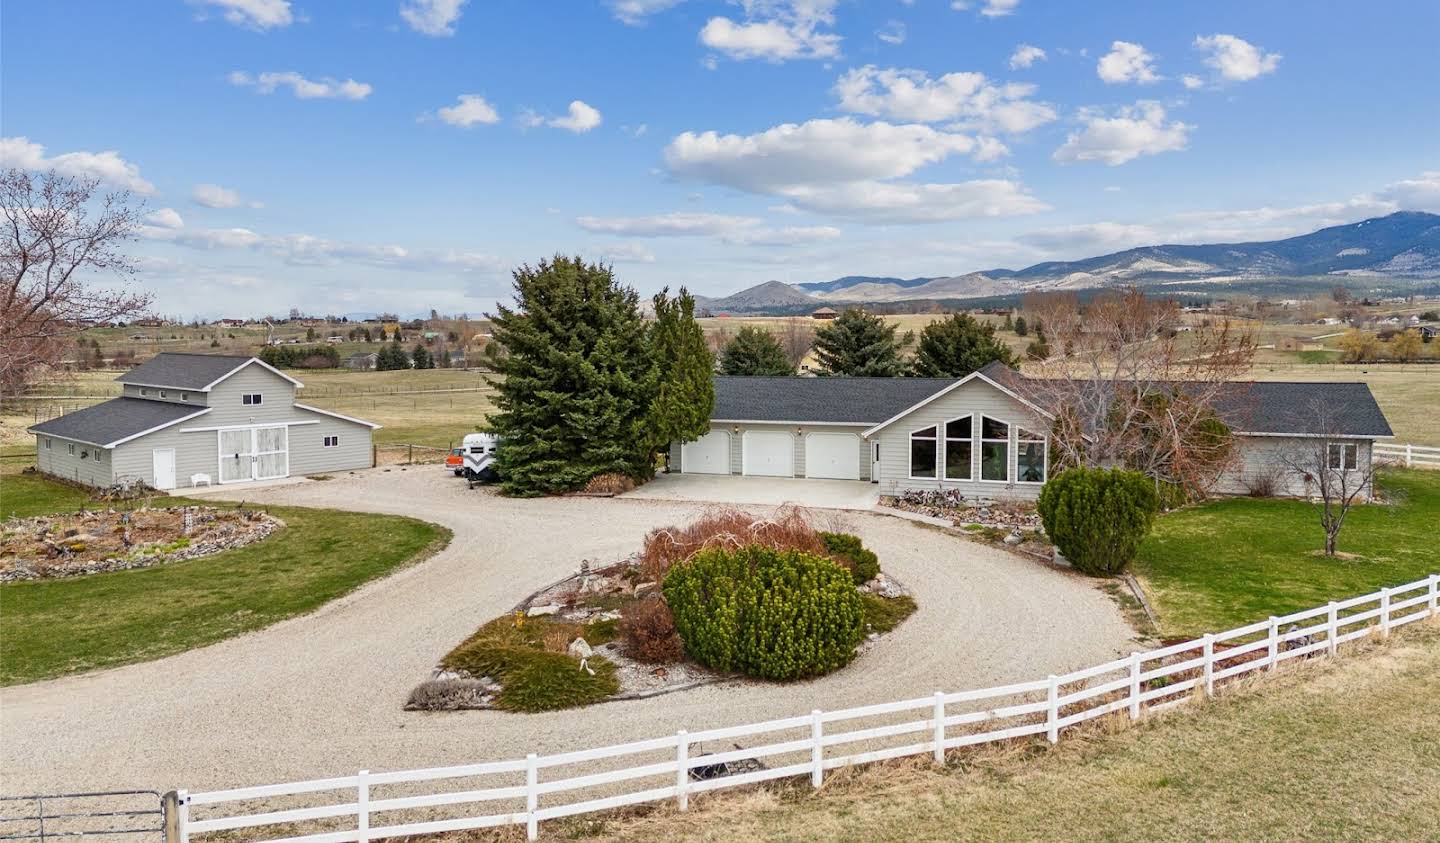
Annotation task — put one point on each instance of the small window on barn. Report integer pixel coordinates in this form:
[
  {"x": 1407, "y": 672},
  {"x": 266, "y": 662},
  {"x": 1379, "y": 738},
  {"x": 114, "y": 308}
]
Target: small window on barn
[
  {"x": 144, "y": 392},
  {"x": 1343, "y": 456},
  {"x": 250, "y": 398},
  {"x": 332, "y": 441},
  {"x": 184, "y": 396},
  {"x": 48, "y": 444},
  {"x": 163, "y": 394},
  {"x": 70, "y": 448},
  {"x": 923, "y": 453}
]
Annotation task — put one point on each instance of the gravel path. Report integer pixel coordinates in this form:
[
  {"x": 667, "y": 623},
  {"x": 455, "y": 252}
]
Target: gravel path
[{"x": 321, "y": 694}]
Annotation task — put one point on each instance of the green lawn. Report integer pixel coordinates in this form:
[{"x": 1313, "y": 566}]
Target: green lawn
[
  {"x": 55, "y": 627},
  {"x": 1227, "y": 563},
  {"x": 28, "y": 495}
]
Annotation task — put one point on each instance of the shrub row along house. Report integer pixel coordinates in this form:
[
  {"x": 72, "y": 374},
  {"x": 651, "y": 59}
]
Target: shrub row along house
[
  {"x": 188, "y": 418},
  {"x": 981, "y": 436}
]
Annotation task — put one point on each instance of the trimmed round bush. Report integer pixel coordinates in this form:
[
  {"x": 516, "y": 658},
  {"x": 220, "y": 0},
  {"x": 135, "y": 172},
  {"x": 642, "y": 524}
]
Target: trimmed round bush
[
  {"x": 848, "y": 551},
  {"x": 1098, "y": 517},
  {"x": 773, "y": 614}
]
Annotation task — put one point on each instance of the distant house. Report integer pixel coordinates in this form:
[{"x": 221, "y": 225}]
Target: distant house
[
  {"x": 231, "y": 419},
  {"x": 1429, "y": 332},
  {"x": 334, "y": 339},
  {"x": 825, "y": 313},
  {"x": 362, "y": 361},
  {"x": 231, "y": 323},
  {"x": 457, "y": 359}
]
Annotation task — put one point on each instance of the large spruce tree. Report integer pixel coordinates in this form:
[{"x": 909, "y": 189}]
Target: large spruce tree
[
  {"x": 684, "y": 386},
  {"x": 955, "y": 347},
  {"x": 860, "y": 345},
  {"x": 755, "y": 351},
  {"x": 577, "y": 379}
]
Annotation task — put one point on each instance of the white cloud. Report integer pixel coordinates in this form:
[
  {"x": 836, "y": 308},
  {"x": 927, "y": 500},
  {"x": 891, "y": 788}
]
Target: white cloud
[
  {"x": 1235, "y": 59},
  {"x": 970, "y": 99},
  {"x": 1025, "y": 55},
  {"x": 308, "y": 250},
  {"x": 1132, "y": 132},
  {"x": 432, "y": 17},
  {"x": 775, "y": 30},
  {"x": 999, "y": 8},
  {"x": 1091, "y": 238},
  {"x": 1419, "y": 194},
  {"x": 215, "y": 196},
  {"x": 165, "y": 218},
  {"x": 1127, "y": 62},
  {"x": 906, "y": 202},
  {"x": 626, "y": 253},
  {"x": 107, "y": 167},
  {"x": 893, "y": 32},
  {"x": 251, "y": 14},
  {"x": 636, "y": 12},
  {"x": 469, "y": 110},
  {"x": 788, "y": 236},
  {"x": 303, "y": 88},
  {"x": 580, "y": 119},
  {"x": 678, "y": 224},
  {"x": 1192, "y": 82}
]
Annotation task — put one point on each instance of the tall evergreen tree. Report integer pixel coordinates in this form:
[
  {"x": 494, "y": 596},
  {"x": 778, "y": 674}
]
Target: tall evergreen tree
[
  {"x": 955, "y": 347},
  {"x": 684, "y": 386},
  {"x": 755, "y": 351},
  {"x": 577, "y": 381},
  {"x": 420, "y": 357},
  {"x": 1021, "y": 329},
  {"x": 860, "y": 345}
]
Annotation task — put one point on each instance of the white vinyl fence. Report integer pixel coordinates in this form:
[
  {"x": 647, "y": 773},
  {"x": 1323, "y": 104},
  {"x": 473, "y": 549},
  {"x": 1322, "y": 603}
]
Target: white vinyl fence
[
  {"x": 1410, "y": 456},
  {"x": 368, "y": 806}
]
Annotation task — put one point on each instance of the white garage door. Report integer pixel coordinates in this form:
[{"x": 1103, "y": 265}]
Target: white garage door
[
  {"x": 832, "y": 455},
  {"x": 710, "y": 454},
  {"x": 769, "y": 453}
]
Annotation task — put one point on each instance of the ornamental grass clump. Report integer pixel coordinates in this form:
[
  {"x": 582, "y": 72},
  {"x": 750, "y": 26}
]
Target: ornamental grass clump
[
  {"x": 1098, "y": 517},
  {"x": 772, "y": 614}
]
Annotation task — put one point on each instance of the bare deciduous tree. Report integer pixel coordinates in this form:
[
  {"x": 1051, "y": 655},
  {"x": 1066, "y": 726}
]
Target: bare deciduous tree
[
  {"x": 1333, "y": 471},
  {"x": 797, "y": 338},
  {"x": 1128, "y": 383},
  {"x": 59, "y": 236}
]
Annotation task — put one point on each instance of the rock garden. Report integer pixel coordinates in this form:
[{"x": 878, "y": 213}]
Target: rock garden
[
  {"x": 95, "y": 541},
  {"x": 732, "y": 596},
  {"x": 1013, "y": 523}
]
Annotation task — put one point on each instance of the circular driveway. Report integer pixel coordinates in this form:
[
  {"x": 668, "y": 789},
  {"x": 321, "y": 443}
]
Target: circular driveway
[{"x": 321, "y": 695}]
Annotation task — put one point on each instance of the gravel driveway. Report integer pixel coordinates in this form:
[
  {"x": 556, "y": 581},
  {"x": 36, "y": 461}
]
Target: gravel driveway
[{"x": 321, "y": 694}]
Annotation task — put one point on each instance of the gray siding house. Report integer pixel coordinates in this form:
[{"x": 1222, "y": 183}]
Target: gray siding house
[
  {"x": 980, "y": 436},
  {"x": 185, "y": 419}
]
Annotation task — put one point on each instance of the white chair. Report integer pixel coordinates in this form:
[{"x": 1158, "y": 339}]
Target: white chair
[{"x": 197, "y": 479}]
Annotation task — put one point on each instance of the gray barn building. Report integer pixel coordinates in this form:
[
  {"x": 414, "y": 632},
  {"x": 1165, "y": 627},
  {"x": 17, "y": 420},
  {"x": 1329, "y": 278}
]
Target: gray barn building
[{"x": 185, "y": 419}]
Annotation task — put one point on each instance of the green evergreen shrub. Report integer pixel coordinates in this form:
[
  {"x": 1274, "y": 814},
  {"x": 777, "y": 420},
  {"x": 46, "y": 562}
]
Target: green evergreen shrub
[
  {"x": 848, "y": 551},
  {"x": 765, "y": 613},
  {"x": 1098, "y": 517}
]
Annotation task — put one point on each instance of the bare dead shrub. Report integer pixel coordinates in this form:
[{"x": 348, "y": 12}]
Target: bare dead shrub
[
  {"x": 1264, "y": 483},
  {"x": 446, "y": 695},
  {"x": 609, "y": 484},
  {"x": 789, "y": 528},
  {"x": 649, "y": 632},
  {"x": 558, "y": 640}
]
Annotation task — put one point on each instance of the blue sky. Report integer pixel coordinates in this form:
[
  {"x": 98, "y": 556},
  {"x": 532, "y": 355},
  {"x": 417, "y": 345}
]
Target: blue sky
[{"x": 406, "y": 154}]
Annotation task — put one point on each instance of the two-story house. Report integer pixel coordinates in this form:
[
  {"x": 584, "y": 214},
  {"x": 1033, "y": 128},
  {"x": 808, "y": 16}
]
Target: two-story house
[{"x": 184, "y": 418}]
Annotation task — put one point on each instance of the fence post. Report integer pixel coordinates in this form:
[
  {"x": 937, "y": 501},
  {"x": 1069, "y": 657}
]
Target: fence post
[
  {"x": 1209, "y": 651},
  {"x": 1273, "y": 650},
  {"x": 362, "y": 802},
  {"x": 1333, "y": 628},
  {"x": 939, "y": 716},
  {"x": 182, "y": 798},
  {"x": 1052, "y": 710},
  {"x": 817, "y": 750},
  {"x": 1135, "y": 686},
  {"x": 170, "y": 815},
  {"x": 1434, "y": 595},
  {"x": 1384, "y": 613},
  {"x": 1409, "y": 454},
  {"x": 532, "y": 797},
  {"x": 682, "y": 770}
]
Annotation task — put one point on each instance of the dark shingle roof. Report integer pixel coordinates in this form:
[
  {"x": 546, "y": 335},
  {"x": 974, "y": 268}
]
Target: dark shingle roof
[
  {"x": 114, "y": 420},
  {"x": 1345, "y": 409},
  {"x": 183, "y": 371},
  {"x": 789, "y": 399}
]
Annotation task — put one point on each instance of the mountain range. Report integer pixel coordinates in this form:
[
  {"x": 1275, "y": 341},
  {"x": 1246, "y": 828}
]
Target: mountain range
[{"x": 1401, "y": 249}]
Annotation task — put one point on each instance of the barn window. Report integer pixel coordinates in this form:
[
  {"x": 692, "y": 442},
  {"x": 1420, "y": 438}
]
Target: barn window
[
  {"x": 70, "y": 448},
  {"x": 959, "y": 447},
  {"x": 332, "y": 441},
  {"x": 994, "y": 449},
  {"x": 250, "y": 398},
  {"x": 48, "y": 444},
  {"x": 1343, "y": 456},
  {"x": 923, "y": 452}
]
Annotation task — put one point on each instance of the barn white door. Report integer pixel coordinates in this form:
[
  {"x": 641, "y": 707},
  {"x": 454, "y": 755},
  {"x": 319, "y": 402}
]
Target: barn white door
[
  {"x": 272, "y": 452},
  {"x": 162, "y": 464},
  {"x": 236, "y": 450},
  {"x": 254, "y": 453}
]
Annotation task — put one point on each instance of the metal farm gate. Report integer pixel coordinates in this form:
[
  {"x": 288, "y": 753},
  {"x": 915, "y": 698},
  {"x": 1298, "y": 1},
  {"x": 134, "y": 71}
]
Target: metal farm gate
[{"x": 116, "y": 816}]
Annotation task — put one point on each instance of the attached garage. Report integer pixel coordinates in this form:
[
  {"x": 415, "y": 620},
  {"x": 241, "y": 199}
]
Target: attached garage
[
  {"x": 768, "y": 453},
  {"x": 710, "y": 454},
  {"x": 833, "y": 456}
]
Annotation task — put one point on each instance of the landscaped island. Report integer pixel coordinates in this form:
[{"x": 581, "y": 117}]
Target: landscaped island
[{"x": 731, "y": 595}]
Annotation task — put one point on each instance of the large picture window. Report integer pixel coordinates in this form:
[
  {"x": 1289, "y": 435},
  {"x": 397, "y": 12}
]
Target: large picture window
[
  {"x": 959, "y": 436},
  {"x": 1343, "y": 456},
  {"x": 1029, "y": 456},
  {"x": 994, "y": 449},
  {"x": 923, "y": 452}
]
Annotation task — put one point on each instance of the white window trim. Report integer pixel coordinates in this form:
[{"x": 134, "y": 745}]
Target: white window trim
[
  {"x": 259, "y": 399},
  {"x": 70, "y": 448},
  {"x": 1008, "y": 442},
  {"x": 945, "y": 440},
  {"x": 49, "y": 443},
  {"x": 910, "y": 453},
  {"x": 1044, "y": 441},
  {"x": 330, "y": 441},
  {"x": 1344, "y": 448}
]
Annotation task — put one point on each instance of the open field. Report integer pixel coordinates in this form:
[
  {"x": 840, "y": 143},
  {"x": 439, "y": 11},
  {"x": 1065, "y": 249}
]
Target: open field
[
  {"x": 1229, "y": 562},
  {"x": 1408, "y": 393},
  {"x": 61, "y": 626},
  {"x": 1339, "y": 750}
]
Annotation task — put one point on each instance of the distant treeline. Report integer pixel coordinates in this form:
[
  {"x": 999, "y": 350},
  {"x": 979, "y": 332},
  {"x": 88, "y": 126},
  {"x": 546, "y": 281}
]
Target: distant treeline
[{"x": 301, "y": 356}]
